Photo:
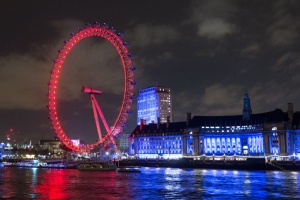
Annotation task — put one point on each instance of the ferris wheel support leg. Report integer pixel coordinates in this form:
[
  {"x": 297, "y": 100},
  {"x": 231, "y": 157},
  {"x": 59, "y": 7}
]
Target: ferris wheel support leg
[
  {"x": 96, "y": 118},
  {"x": 103, "y": 119}
]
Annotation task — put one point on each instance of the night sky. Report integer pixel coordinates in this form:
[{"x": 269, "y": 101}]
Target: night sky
[{"x": 208, "y": 52}]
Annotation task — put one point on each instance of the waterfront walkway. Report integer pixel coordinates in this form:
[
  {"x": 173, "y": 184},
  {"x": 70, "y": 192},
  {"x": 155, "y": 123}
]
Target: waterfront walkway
[{"x": 245, "y": 164}]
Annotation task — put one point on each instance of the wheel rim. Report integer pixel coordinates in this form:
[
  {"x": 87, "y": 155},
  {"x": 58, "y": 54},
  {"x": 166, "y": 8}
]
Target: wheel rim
[{"x": 115, "y": 39}]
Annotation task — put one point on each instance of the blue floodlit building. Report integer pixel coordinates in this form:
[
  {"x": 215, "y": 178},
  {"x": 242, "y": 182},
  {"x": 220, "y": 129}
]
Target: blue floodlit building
[
  {"x": 154, "y": 103},
  {"x": 270, "y": 133}
]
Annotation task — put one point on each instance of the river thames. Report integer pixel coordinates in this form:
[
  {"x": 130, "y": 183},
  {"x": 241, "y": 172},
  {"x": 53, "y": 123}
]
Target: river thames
[{"x": 150, "y": 183}]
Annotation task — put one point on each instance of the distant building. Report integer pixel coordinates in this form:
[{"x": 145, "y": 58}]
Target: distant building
[
  {"x": 154, "y": 103},
  {"x": 53, "y": 146},
  {"x": 1, "y": 150},
  {"x": 270, "y": 133},
  {"x": 122, "y": 142}
]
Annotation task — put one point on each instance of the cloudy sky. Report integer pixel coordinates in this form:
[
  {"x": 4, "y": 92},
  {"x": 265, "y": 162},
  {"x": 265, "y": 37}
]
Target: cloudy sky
[{"x": 207, "y": 52}]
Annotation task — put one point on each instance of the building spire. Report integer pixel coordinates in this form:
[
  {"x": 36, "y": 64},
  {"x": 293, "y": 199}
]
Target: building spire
[{"x": 247, "y": 111}]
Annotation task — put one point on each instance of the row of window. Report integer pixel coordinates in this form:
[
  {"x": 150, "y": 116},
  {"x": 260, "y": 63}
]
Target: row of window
[
  {"x": 160, "y": 138},
  {"x": 160, "y": 152},
  {"x": 158, "y": 146}
]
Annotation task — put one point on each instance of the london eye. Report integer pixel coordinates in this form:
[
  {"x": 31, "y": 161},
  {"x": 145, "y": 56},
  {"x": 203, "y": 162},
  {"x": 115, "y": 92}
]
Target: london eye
[{"x": 105, "y": 137}]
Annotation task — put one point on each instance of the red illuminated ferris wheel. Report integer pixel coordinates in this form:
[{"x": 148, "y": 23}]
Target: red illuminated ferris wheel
[{"x": 109, "y": 34}]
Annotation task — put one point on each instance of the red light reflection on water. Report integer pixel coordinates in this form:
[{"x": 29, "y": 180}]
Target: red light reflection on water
[
  {"x": 7, "y": 185},
  {"x": 70, "y": 184},
  {"x": 52, "y": 185}
]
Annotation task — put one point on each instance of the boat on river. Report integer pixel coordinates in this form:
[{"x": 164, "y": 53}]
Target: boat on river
[
  {"x": 35, "y": 163},
  {"x": 97, "y": 166}
]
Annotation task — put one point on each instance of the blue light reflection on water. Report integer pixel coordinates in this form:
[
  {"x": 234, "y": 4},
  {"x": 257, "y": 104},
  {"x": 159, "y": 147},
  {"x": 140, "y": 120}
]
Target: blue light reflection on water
[{"x": 151, "y": 183}]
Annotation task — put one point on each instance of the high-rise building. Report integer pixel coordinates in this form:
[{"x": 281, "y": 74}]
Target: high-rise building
[{"x": 154, "y": 103}]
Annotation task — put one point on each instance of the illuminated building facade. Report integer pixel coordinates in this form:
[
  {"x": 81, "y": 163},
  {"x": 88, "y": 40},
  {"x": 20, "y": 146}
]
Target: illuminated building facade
[
  {"x": 1, "y": 150},
  {"x": 53, "y": 146},
  {"x": 158, "y": 140},
  {"x": 270, "y": 133},
  {"x": 154, "y": 103}
]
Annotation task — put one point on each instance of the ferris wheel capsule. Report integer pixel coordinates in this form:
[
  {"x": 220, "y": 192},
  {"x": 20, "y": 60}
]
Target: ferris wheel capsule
[
  {"x": 120, "y": 35},
  {"x": 130, "y": 55},
  {"x": 133, "y": 68}
]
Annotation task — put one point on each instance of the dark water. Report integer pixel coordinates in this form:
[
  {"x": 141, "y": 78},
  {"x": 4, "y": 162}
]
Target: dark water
[{"x": 151, "y": 183}]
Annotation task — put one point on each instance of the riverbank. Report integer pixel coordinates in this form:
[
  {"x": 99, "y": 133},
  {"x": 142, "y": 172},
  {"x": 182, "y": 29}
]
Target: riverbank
[{"x": 248, "y": 164}]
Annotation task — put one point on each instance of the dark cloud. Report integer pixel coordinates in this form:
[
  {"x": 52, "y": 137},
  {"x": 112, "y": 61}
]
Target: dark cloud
[
  {"x": 252, "y": 49},
  {"x": 285, "y": 27},
  {"x": 287, "y": 62},
  {"x": 215, "y": 28},
  {"x": 207, "y": 52},
  {"x": 213, "y": 18},
  {"x": 23, "y": 82},
  {"x": 144, "y": 35}
]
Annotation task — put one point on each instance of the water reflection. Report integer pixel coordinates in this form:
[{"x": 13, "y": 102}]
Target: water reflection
[
  {"x": 52, "y": 185},
  {"x": 151, "y": 183},
  {"x": 172, "y": 177}
]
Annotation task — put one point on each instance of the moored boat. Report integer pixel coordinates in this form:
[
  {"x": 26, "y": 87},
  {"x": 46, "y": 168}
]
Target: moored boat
[
  {"x": 35, "y": 163},
  {"x": 97, "y": 166}
]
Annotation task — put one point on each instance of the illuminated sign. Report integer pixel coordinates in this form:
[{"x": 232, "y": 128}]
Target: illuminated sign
[{"x": 76, "y": 142}]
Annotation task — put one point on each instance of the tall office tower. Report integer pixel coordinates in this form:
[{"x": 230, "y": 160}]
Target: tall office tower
[{"x": 153, "y": 103}]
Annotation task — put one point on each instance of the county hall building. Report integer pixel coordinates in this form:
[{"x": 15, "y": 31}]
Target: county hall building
[{"x": 270, "y": 133}]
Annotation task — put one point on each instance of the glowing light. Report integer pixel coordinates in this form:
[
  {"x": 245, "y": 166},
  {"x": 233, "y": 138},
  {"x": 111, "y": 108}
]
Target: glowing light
[
  {"x": 75, "y": 142},
  {"x": 113, "y": 38}
]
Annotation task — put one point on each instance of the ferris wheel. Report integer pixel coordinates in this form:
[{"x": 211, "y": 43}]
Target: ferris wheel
[{"x": 109, "y": 34}]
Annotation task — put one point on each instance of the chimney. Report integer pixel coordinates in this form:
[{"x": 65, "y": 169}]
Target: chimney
[
  {"x": 168, "y": 121},
  {"x": 142, "y": 122},
  {"x": 188, "y": 118},
  {"x": 158, "y": 122}
]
